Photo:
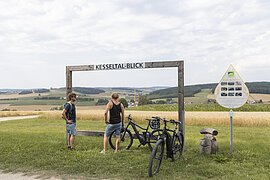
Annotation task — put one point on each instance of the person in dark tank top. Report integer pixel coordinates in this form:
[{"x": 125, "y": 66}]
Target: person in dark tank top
[{"x": 116, "y": 120}]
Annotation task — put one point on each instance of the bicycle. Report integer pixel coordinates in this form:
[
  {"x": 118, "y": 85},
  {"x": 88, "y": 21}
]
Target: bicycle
[
  {"x": 174, "y": 146},
  {"x": 144, "y": 138}
]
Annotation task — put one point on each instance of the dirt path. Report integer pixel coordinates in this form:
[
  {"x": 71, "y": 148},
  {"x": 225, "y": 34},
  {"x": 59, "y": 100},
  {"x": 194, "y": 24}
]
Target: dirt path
[
  {"x": 17, "y": 118},
  {"x": 22, "y": 176}
]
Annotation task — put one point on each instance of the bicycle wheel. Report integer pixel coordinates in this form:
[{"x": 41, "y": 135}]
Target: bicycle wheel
[
  {"x": 156, "y": 158},
  {"x": 126, "y": 140},
  {"x": 153, "y": 138},
  {"x": 177, "y": 146}
]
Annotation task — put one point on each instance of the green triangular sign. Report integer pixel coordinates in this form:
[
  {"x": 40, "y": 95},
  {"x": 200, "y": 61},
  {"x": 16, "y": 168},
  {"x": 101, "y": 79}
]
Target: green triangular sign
[{"x": 231, "y": 92}]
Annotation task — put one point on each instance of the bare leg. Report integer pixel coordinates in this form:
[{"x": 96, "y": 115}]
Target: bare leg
[
  {"x": 72, "y": 138},
  {"x": 105, "y": 143},
  {"x": 68, "y": 140},
  {"x": 117, "y": 143}
]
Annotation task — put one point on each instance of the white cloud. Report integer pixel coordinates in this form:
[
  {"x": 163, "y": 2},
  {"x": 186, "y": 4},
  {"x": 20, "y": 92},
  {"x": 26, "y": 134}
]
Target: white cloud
[{"x": 208, "y": 35}]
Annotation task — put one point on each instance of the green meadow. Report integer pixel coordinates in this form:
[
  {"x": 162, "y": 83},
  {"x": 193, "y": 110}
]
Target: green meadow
[{"x": 37, "y": 146}]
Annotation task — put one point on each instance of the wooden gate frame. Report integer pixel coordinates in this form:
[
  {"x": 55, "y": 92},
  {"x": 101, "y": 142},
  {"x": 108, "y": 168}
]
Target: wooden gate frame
[{"x": 160, "y": 64}]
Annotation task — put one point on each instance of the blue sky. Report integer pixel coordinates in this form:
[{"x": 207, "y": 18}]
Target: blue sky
[{"x": 39, "y": 38}]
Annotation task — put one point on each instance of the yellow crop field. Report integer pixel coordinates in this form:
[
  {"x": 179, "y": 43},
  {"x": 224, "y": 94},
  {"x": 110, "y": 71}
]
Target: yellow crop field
[
  {"x": 19, "y": 113},
  {"x": 257, "y": 97},
  {"x": 191, "y": 118},
  {"x": 11, "y": 96}
]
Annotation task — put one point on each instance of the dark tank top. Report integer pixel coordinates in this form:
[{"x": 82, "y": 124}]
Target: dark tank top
[{"x": 115, "y": 114}]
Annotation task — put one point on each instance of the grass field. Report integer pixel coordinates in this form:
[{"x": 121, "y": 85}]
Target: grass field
[
  {"x": 199, "y": 98},
  {"x": 38, "y": 146},
  {"x": 155, "y": 107},
  {"x": 202, "y": 107}
]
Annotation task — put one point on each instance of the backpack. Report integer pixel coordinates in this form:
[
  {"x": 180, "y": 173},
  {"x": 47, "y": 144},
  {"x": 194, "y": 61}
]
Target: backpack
[{"x": 69, "y": 111}]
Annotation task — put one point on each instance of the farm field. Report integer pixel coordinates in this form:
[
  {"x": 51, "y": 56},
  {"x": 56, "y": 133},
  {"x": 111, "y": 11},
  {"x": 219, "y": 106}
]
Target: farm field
[
  {"x": 264, "y": 97},
  {"x": 48, "y": 105},
  {"x": 55, "y": 99},
  {"x": 191, "y": 118},
  {"x": 200, "y": 97},
  {"x": 38, "y": 146},
  {"x": 202, "y": 107},
  {"x": 45, "y": 107},
  {"x": 257, "y": 97},
  {"x": 11, "y": 96}
]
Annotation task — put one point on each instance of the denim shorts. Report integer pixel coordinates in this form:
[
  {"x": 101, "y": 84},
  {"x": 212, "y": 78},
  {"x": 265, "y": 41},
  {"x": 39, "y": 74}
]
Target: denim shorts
[
  {"x": 71, "y": 129},
  {"x": 111, "y": 127}
]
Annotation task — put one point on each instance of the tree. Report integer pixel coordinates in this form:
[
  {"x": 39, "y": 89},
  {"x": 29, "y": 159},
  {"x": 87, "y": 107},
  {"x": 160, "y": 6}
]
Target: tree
[
  {"x": 102, "y": 101},
  {"x": 169, "y": 99},
  {"x": 161, "y": 102},
  {"x": 124, "y": 102},
  {"x": 143, "y": 100}
]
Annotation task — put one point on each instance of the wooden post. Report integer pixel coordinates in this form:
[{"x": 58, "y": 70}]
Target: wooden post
[
  {"x": 68, "y": 81},
  {"x": 181, "y": 112}
]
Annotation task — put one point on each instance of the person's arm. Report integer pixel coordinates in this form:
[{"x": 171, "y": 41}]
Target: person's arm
[
  {"x": 122, "y": 114},
  {"x": 65, "y": 110},
  {"x": 64, "y": 114},
  {"x": 108, "y": 107}
]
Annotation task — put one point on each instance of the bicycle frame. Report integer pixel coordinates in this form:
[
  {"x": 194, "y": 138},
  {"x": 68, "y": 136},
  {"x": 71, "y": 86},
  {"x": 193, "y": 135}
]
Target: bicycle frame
[
  {"x": 134, "y": 127},
  {"x": 168, "y": 138}
]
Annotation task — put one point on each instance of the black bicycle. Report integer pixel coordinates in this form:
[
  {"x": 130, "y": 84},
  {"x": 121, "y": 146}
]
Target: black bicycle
[
  {"x": 174, "y": 146},
  {"x": 146, "y": 137}
]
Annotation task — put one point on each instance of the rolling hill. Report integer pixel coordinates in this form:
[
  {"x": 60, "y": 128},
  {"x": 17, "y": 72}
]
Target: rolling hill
[{"x": 190, "y": 91}]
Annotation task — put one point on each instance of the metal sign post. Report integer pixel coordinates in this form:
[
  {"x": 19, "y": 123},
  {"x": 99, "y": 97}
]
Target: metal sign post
[
  {"x": 231, "y": 131},
  {"x": 231, "y": 92}
]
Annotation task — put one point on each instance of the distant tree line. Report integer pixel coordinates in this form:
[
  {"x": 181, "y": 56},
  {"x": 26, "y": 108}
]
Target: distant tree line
[
  {"x": 259, "y": 87},
  {"x": 103, "y": 101},
  {"x": 80, "y": 99},
  {"x": 26, "y": 92},
  {"x": 47, "y": 98},
  {"x": 143, "y": 100},
  {"x": 30, "y": 91},
  {"x": 41, "y": 90},
  {"x": 9, "y": 99},
  {"x": 86, "y": 90}
]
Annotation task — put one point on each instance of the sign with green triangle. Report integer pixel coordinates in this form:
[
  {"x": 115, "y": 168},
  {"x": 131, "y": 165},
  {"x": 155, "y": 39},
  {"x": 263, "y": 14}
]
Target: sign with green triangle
[{"x": 231, "y": 92}]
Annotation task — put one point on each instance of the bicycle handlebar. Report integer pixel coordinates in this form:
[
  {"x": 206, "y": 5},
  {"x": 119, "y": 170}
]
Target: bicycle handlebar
[
  {"x": 158, "y": 118},
  {"x": 171, "y": 121},
  {"x": 174, "y": 121},
  {"x": 129, "y": 116}
]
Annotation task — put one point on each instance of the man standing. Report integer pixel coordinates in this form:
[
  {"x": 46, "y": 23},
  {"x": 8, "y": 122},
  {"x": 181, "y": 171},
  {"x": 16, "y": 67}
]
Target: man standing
[
  {"x": 69, "y": 114},
  {"x": 115, "y": 121}
]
